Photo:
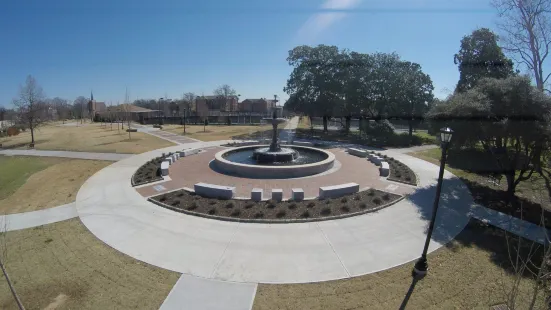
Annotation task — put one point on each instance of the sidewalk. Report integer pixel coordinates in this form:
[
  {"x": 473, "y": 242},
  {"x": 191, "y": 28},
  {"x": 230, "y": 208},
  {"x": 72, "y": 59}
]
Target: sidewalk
[
  {"x": 67, "y": 154},
  {"x": 24, "y": 220}
]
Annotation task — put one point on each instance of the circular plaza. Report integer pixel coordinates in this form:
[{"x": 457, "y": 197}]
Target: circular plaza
[{"x": 341, "y": 244}]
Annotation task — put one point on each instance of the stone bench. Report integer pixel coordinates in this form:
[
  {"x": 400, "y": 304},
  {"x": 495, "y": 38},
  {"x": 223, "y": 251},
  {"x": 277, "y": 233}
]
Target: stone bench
[
  {"x": 277, "y": 194},
  {"x": 338, "y": 190},
  {"x": 256, "y": 194},
  {"x": 384, "y": 170},
  {"x": 185, "y": 153},
  {"x": 357, "y": 152},
  {"x": 214, "y": 191},
  {"x": 164, "y": 167},
  {"x": 376, "y": 160},
  {"x": 169, "y": 159},
  {"x": 297, "y": 194}
]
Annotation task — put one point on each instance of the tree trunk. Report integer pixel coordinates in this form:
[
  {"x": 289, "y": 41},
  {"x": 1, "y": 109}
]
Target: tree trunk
[
  {"x": 325, "y": 124},
  {"x": 12, "y": 288},
  {"x": 347, "y": 123},
  {"x": 511, "y": 186},
  {"x": 32, "y": 131}
]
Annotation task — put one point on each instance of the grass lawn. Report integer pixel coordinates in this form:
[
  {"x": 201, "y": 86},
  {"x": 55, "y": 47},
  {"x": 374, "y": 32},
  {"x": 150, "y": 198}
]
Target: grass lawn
[
  {"x": 64, "y": 266},
  {"x": 88, "y": 138},
  {"x": 472, "y": 167},
  {"x": 216, "y": 132},
  {"x": 34, "y": 183},
  {"x": 469, "y": 273}
]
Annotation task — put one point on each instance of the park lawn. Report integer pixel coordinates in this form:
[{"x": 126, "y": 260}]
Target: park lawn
[
  {"x": 90, "y": 137},
  {"x": 471, "y": 272},
  {"x": 35, "y": 183},
  {"x": 216, "y": 132},
  {"x": 532, "y": 198},
  {"x": 64, "y": 266}
]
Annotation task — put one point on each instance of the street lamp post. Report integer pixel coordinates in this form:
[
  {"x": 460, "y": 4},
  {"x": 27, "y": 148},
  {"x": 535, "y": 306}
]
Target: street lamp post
[
  {"x": 184, "y": 120},
  {"x": 421, "y": 266},
  {"x": 160, "y": 110}
]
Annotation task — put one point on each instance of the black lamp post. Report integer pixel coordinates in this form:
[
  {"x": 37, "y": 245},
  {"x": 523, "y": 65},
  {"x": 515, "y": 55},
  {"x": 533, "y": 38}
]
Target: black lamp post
[
  {"x": 160, "y": 110},
  {"x": 421, "y": 266}
]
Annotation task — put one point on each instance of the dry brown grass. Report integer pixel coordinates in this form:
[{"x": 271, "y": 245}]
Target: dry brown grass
[
  {"x": 464, "y": 275},
  {"x": 55, "y": 185},
  {"x": 215, "y": 132},
  {"x": 64, "y": 265},
  {"x": 88, "y": 138}
]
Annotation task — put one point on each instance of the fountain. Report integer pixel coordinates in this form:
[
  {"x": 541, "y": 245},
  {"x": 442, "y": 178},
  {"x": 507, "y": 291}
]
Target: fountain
[
  {"x": 275, "y": 153},
  {"x": 273, "y": 161}
]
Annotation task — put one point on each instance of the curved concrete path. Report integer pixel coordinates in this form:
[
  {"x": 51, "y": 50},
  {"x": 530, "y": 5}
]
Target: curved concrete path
[{"x": 268, "y": 253}]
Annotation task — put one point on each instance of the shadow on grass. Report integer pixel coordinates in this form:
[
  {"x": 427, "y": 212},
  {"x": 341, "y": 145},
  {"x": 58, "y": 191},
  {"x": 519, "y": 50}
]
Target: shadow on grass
[{"x": 453, "y": 217}]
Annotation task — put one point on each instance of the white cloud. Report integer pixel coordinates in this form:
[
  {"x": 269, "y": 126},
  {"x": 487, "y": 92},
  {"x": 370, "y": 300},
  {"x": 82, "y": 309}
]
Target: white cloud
[{"x": 332, "y": 11}]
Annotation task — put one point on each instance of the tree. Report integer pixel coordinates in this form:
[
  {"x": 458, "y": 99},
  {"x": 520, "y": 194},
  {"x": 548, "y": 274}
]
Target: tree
[
  {"x": 480, "y": 57},
  {"x": 29, "y": 104},
  {"x": 61, "y": 107},
  {"x": 79, "y": 107},
  {"x": 412, "y": 93},
  {"x": 316, "y": 77},
  {"x": 527, "y": 28},
  {"x": 189, "y": 98},
  {"x": 225, "y": 91},
  {"x": 508, "y": 117}
]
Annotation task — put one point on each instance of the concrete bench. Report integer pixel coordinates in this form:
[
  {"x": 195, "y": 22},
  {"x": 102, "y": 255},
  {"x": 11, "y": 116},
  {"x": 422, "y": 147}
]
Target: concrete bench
[
  {"x": 256, "y": 194},
  {"x": 357, "y": 152},
  {"x": 174, "y": 158},
  {"x": 297, "y": 194},
  {"x": 185, "y": 153},
  {"x": 384, "y": 170},
  {"x": 214, "y": 191},
  {"x": 177, "y": 155},
  {"x": 303, "y": 143},
  {"x": 169, "y": 159},
  {"x": 338, "y": 190},
  {"x": 277, "y": 194},
  {"x": 376, "y": 160},
  {"x": 164, "y": 167}
]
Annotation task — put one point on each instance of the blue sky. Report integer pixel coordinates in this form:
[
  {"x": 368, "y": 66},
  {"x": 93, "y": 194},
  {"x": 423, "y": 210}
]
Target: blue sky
[{"x": 158, "y": 48}]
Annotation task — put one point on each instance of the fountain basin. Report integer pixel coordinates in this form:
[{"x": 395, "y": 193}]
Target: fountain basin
[
  {"x": 264, "y": 155},
  {"x": 277, "y": 170}
]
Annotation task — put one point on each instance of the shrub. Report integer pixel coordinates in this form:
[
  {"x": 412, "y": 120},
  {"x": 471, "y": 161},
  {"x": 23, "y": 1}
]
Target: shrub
[
  {"x": 162, "y": 199},
  {"x": 325, "y": 211},
  {"x": 344, "y": 200},
  {"x": 305, "y": 214},
  {"x": 386, "y": 197},
  {"x": 193, "y": 206},
  {"x": 311, "y": 204},
  {"x": 249, "y": 205},
  {"x": 230, "y": 205},
  {"x": 345, "y": 209},
  {"x": 175, "y": 203},
  {"x": 408, "y": 179},
  {"x": 280, "y": 214},
  {"x": 357, "y": 197},
  {"x": 377, "y": 201},
  {"x": 371, "y": 192},
  {"x": 292, "y": 206},
  {"x": 236, "y": 212},
  {"x": 363, "y": 205},
  {"x": 327, "y": 201},
  {"x": 212, "y": 211},
  {"x": 259, "y": 215}
]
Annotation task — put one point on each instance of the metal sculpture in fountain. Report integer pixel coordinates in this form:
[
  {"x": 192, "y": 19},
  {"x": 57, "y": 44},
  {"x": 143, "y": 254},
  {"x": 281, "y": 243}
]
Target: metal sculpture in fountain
[{"x": 275, "y": 153}]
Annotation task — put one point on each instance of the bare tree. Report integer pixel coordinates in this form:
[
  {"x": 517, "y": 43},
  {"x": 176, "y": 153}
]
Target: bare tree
[
  {"x": 61, "y": 107},
  {"x": 29, "y": 104},
  {"x": 79, "y": 107},
  {"x": 527, "y": 28},
  {"x": 127, "y": 108},
  {"x": 188, "y": 98},
  {"x": 225, "y": 91}
]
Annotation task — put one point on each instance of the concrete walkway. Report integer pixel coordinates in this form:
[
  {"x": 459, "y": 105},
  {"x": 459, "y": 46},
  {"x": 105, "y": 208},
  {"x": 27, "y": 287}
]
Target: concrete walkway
[
  {"x": 268, "y": 253},
  {"x": 172, "y": 137},
  {"x": 18, "y": 221},
  {"x": 67, "y": 154},
  {"x": 192, "y": 293}
]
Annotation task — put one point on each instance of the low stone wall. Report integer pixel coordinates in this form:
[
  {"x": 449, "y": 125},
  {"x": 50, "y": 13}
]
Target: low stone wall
[
  {"x": 338, "y": 190},
  {"x": 384, "y": 170},
  {"x": 357, "y": 152},
  {"x": 214, "y": 191}
]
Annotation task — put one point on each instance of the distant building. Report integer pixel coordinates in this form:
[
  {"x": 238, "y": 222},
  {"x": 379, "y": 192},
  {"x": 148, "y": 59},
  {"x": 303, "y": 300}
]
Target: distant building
[
  {"x": 205, "y": 104},
  {"x": 261, "y": 105},
  {"x": 127, "y": 111},
  {"x": 94, "y": 106}
]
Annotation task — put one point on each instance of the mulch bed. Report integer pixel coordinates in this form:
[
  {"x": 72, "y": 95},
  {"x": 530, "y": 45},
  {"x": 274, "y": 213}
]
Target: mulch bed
[
  {"x": 274, "y": 212},
  {"x": 399, "y": 172},
  {"x": 149, "y": 172}
]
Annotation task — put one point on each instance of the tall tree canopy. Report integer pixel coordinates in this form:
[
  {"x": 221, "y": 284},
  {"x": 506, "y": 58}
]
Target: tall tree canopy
[
  {"x": 480, "y": 57},
  {"x": 508, "y": 117}
]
